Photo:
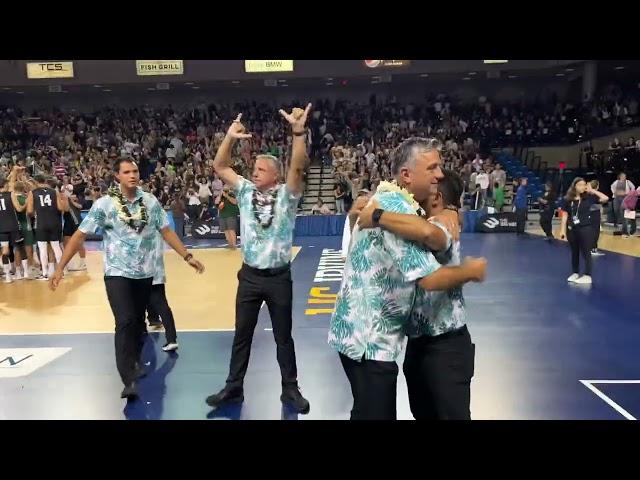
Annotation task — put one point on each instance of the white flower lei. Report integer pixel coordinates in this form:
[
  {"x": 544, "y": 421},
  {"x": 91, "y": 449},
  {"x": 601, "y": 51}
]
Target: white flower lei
[{"x": 394, "y": 187}]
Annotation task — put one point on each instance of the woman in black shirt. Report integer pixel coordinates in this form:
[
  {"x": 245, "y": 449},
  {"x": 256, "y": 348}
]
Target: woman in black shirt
[{"x": 577, "y": 226}]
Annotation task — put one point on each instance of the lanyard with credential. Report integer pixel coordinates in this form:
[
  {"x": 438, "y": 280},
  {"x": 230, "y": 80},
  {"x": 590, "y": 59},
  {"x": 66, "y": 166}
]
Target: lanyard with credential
[{"x": 576, "y": 220}]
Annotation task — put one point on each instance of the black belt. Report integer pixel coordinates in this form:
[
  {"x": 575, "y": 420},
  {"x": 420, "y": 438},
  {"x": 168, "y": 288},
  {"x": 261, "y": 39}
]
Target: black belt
[
  {"x": 267, "y": 272},
  {"x": 443, "y": 336}
]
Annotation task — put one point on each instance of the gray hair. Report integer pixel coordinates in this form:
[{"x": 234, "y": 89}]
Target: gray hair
[
  {"x": 406, "y": 153},
  {"x": 274, "y": 161}
]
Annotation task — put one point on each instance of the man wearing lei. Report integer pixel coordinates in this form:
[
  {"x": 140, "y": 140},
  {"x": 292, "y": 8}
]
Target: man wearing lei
[
  {"x": 382, "y": 274},
  {"x": 267, "y": 219},
  {"x": 130, "y": 220}
]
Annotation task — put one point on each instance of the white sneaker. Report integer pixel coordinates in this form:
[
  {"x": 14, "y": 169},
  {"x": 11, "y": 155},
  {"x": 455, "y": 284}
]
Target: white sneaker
[
  {"x": 18, "y": 275},
  {"x": 573, "y": 277},
  {"x": 170, "y": 347},
  {"x": 7, "y": 278},
  {"x": 584, "y": 280}
]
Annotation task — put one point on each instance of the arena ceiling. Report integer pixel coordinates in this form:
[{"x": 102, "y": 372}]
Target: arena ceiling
[{"x": 560, "y": 71}]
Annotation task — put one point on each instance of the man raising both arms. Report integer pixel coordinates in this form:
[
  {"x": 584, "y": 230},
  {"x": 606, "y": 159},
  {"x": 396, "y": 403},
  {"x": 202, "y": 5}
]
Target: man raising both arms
[{"x": 267, "y": 218}]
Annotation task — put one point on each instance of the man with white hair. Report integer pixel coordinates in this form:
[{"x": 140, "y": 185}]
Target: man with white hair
[{"x": 267, "y": 219}]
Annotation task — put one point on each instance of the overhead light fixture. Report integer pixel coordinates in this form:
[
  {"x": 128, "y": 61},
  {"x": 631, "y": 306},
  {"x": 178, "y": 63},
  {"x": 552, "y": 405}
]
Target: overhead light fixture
[
  {"x": 282, "y": 81},
  {"x": 151, "y": 89},
  {"x": 424, "y": 75},
  {"x": 188, "y": 84},
  {"x": 196, "y": 88},
  {"x": 559, "y": 74},
  {"x": 330, "y": 79},
  {"x": 106, "y": 90},
  {"x": 6, "y": 88},
  {"x": 284, "y": 85},
  {"x": 495, "y": 61},
  {"x": 473, "y": 73},
  {"x": 235, "y": 82},
  {"x": 569, "y": 69},
  {"x": 619, "y": 67},
  {"x": 97, "y": 86},
  {"x": 513, "y": 76},
  {"x": 21, "y": 93},
  {"x": 329, "y": 84},
  {"x": 466, "y": 78}
]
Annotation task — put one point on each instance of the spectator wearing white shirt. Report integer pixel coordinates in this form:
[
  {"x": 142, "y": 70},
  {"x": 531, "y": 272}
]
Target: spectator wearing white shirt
[
  {"x": 193, "y": 204},
  {"x": 204, "y": 191},
  {"x": 477, "y": 163},
  {"x": 320, "y": 208},
  {"x": 498, "y": 176},
  {"x": 349, "y": 223},
  {"x": 216, "y": 186},
  {"x": 482, "y": 180},
  {"x": 620, "y": 189}
]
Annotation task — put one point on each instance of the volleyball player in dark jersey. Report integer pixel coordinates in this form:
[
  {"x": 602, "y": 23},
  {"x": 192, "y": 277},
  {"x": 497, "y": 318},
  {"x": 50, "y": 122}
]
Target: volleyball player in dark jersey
[
  {"x": 10, "y": 234},
  {"x": 47, "y": 205},
  {"x": 72, "y": 221}
]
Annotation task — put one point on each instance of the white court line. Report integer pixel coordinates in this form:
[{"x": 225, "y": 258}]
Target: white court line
[
  {"x": 607, "y": 400},
  {"x": 188, "y": 330}
]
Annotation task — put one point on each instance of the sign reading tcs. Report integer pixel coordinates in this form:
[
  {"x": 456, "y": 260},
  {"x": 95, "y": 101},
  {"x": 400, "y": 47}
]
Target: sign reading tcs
[{"x": 37, "y": 70}]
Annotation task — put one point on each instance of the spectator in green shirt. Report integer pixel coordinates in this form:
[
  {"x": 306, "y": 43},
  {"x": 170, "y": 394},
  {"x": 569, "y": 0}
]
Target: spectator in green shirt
[
  {"x": 228, "y": 215},
  {"x": 498, "y": 196}
]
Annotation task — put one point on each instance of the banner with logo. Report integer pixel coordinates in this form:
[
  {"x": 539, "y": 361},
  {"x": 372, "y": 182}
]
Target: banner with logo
[
  {"x": 386, "y": 63},
  {"x": 36, "y": 70},
  {"x": 159, "y": 67},
  {"x": 265, "y": 66},
  {"x": 209, "y": 229},
  {"x": 497, "y": 223}
]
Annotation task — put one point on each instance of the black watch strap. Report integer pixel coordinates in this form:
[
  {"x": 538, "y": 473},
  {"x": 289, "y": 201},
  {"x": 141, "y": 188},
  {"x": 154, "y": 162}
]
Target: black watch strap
[
  {"x": 188, "y": 257},
  {"x": 375, "y": 217}
]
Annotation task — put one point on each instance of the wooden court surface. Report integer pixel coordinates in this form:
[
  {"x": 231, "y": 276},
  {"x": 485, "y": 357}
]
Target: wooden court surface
[{"x": 199, "y": 302}]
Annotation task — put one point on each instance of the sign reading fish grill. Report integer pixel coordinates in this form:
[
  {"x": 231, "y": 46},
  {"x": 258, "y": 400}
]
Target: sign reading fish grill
[{"x": 159, "y": 67}]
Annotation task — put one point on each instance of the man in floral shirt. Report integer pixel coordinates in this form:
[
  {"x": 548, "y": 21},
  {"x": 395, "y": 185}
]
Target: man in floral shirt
[
  {"x": 379, "y": 285},
  {"x": 130, "y": 220},
  {"x": 439, "y": 362},
  {"x": 267, "y": 218}
]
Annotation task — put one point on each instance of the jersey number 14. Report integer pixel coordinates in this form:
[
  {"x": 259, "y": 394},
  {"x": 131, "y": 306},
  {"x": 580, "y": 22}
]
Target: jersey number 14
[{"x": 45, "y": 200}]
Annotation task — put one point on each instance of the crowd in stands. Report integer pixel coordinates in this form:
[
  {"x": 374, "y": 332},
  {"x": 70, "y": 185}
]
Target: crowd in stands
[{"x": 175, "y": 147}]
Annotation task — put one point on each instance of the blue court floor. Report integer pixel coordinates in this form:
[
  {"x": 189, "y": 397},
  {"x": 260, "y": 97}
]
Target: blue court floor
[{"x": 544, "y": 349}]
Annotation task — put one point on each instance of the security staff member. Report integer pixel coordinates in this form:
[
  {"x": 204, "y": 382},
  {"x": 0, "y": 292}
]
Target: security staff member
[
  {"x": 267, "y": 218},
  {"x": 577, "y": 226}
]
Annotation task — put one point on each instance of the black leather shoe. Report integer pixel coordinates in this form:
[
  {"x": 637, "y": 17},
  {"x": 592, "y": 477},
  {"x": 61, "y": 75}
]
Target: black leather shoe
[
  {"x": 226, "y": 396},
  {"x": 293, "y": 397},
  {"x": 129, "y": 392}
]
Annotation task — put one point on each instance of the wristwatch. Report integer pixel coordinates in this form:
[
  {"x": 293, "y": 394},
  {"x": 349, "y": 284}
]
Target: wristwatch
[
  {"x": 375, "y": 217},
  {"x": 188, "y": 257},
  {"x": 300, "y": 134}
]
